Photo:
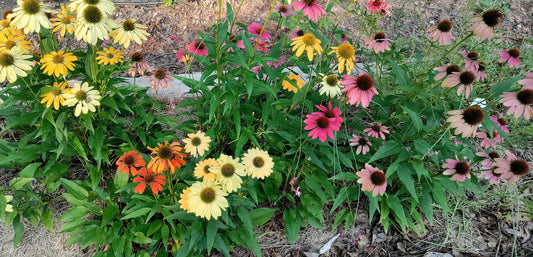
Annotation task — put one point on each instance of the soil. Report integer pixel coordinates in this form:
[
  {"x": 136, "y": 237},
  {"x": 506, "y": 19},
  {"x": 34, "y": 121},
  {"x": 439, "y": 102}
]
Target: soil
[{"x": 490, "y": 229}]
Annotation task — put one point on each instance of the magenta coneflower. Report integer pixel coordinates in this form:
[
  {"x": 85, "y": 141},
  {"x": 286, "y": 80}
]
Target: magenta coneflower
[
  {"x": 512, "y": 56},
  {"x": 297, "y": 33},
  {"x": 446, "y": 70},
  {"x": 487, "y": 139},
  {"x": 323, "y": 123},
  {"x": 511, "y": 167},
  {"x": 362, "y": 143},
  {"x": 471, "y": 60},
  {"x": 484, "y": 25},
  {"x": 519, "y": 103},
  {"x": 160, "y": 78},
  {"x": 378, "y": 42},
  {"x": 261, "y": 44},
  {"x": 466, "y": 121},
  {"x": 359, "y": 90},
  {"x": 311, "y": 8},
  {"x": 441, "y": 32},
  {"x": 284, "y": 10},
  {"x": 460, "y": 169},
  {"x": 377, "y": 130},
  {"x": 465, "y": 78},
  {"x": 501, "y": 122},
  {"x": 256, "y": 30},
  {"x": 528, "y": 81},
  {"x": 372, "y": 179},
  {"x": 376, "y": 6},
  {"x": 198, "y": 48}
]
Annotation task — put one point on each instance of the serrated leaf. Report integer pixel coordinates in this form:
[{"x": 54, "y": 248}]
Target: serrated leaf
[
  {"x": 415, "y": 118},
  {"x": 74, "y": 189},
  {"x": 391, "y": 147},
  {"x": 404, "y": 173},
  {"x": 341, "y": 197},
  {"x": 137, "y": 213}
]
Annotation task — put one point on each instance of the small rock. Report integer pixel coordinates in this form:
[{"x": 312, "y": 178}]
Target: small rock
[
  {"x": 379, "y": 238},
  {"x": 434, "y": 254}
]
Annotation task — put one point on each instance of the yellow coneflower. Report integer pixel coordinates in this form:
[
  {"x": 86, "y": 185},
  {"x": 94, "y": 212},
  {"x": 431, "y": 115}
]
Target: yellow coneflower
[
  {"x": 13, "y": 63},
  {"x": 58, "y": 63},
  {"x": 55, "y": 96},
  {"x": 308, "y": 43},
  {"x": 197, "y": 143},
  {"x": 258, "y": 163},
  {"x": 84, "y": 97},
  {"x": 15, "y": 40},
  {"x": 296, "y": 78},
  {"x": 129, "y": 31},
  {"x": 110, "y": 55},
  {"x": 30, "y": 16},
  {"x": 203, "y": 170},
  {"x": 7, "y": 28},
  {"x": 65, "y": 21},
  {"x": 229, "y": 171},
  {"x": 206, "y": 200},
  {"x": 346, "y": 54}
]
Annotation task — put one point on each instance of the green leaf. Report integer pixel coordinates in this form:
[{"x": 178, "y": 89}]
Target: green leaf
[
  {"x": 346, "y": 176},
  {"x": 399, "y": 74},
  {"x": 221, "y": 246},
  {"x": 165, "y": 232},
  {"x": 261, "y": 216},
  {"x": 292, "y": 225},
  {"x": 141, "y": 238},
  {"x": 391, "y": 147},
  {"x": 73, "y": 188},
  {"x": 404, "y": 173},
  {"x": 96, "y": 142},
  {"x": 76, "y": 144},
  {"x": 339, "y": 218},
  {"x": 341, "y": 197},
  {"x": 156, "y": 224},
  {"x": 18, "y": 183},
  {"x": 77, "y": 212},
  {"x": 210, "y": 234},
  {"x": 29, "y": 170},
  {"x": 121, "y": 179},
  {"x": 397, "y": 209},
  {"x": 415, "y": 118},
  {"x": 19, "y": 230},
  {"x": 503, "y": 86},
  {"x": 426, "y": 204},
  {"x": 137, "y": 213}
]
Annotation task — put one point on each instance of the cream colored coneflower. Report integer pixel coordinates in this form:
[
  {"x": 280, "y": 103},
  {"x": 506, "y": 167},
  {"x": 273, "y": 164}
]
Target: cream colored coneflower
[
  {"x": 13, "y": 63},
  {"x": 466, "y": 121},
  {"x": 58, "y": 63},
  {"x": 106, "y": 6},
  {"x": 56, "y": 95},
  {"x": 64, "y": 22},
  {"x": 206, "y": 200},
  {"x": 308, "y": 43},
  {"x": 92, "y": 25},
  {"x": 129, "y": 31},
  {"x": 330, "y": 86},
  {"x": 84, "y": 97},
  {"x": 30, "y": 16},
  {"x": 346, "y": 54},
  {"x": 197, "y": 143},
  {"x": 15, "y": 40},
  {"x": 203, "y": 170},
  {"x": 258, "y": 163},
  {"x": 230, "y": 172},
  {"x": 110, "y": 55}
]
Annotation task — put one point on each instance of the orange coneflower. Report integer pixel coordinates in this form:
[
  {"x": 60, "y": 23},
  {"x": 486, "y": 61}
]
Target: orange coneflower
[
  {"x": 148, "y": 177},
  {"x": 129, "y": 162},
  {"x": 167, "y": 156}
]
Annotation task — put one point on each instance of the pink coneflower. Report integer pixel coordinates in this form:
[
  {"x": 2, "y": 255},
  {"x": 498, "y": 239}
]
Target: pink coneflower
[
  {"x": 519, "y": 103},
  {"x": 501, "y": 122},
  {"x": 465, "y": 79},
  {"x": 256, "y": 70},
  {"x": 512, "y": 56},
  {"x": 466, "y": 121},
  {"x": 378, "y": 42},
  {"x": 160, "y": 78},
  {"x": 297, "y": 33},
  {"x": 377, "y": 130},
  {"x": 487, "y": 140},
  {"x": 441, "y": 32},
  {"x": 511, "y": 167},
  {"x": 528, "y": 81},
  {"x": 311, "y": 8},
  {"x": 138, "y": 65},
  {"x": 359, "y": 90},
  {"x": 198, "y": 48},
  {"x": 459, "y": 169},
  {"x": 489, "y": 164},
  {"x": 376, "y": 6},
  {"x": 256, "y": 30},
  {"x": 471, "y": 60},
  {"x": 284, "y": 10},
  {"x": 232, "y": 39},
  {"x": 362, "y": 143},
  {"x": 261, "y": 44},
  {"x": 278, "y": 63},
  {"x": 446, "y": 70},
  {"x": 372, "y": 179},
  {"x": 344, "y": 38},
  {"x": 172, "y": 105},
  {"x": 480, "y": 72},
  {"x": 323, "y": 123},
  {"x": 484, "y": 25}
]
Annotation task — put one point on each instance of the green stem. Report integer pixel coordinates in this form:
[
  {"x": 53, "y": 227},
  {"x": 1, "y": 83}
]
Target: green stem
[
  {"x": 262, "y": 30},
  {"x": 235, "y": 17}
]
